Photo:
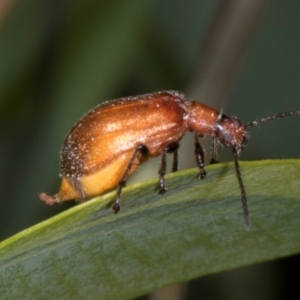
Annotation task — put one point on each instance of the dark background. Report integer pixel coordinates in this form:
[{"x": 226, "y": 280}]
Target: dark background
[{"x": 59, "y": 58}]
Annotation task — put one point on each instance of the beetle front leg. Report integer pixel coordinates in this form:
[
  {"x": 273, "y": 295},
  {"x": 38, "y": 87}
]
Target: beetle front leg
[
  {"x": 140, "y": 149},
  {"x": 199, "y": 153}
]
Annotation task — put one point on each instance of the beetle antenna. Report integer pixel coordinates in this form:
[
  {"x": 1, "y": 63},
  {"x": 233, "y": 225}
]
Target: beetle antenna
[
  {"x": 242, "y": 188},
  {"x": 273, "y": 117}
]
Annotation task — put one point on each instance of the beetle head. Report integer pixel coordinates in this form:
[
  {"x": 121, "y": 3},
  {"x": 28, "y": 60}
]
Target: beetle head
[{"x": 231, "y": 133}]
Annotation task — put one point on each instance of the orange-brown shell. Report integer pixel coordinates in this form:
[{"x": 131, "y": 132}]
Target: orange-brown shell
[
  {"x": 117, "y": 127},
  {"x": 99, "y": 147}
]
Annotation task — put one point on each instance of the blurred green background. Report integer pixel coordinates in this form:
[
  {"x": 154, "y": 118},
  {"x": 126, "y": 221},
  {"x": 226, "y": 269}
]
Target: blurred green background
[{"x": 59, "y": 58}]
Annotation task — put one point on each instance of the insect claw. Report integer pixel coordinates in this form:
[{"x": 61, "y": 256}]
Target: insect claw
[
  {"x": 162, "y": 190},
  {"x": 116, "y": 206},
  {"x": 201, "y": 175}
]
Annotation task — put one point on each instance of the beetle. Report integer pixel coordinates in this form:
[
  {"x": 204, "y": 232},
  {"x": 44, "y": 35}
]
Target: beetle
[{"x": 109, "y": 143}]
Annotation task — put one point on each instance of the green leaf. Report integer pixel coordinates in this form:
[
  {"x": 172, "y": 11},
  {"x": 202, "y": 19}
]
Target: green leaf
[{"x": 195, "y": 229}]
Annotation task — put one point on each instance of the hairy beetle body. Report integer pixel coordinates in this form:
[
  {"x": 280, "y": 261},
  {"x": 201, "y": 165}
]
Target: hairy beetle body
[
  {"x": 96, "y": 152},
  {"x": 109, "y": 143}
]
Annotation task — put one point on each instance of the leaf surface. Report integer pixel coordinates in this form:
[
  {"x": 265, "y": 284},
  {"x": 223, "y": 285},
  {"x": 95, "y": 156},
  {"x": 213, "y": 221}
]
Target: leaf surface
[{"x": 195, "y": 229}]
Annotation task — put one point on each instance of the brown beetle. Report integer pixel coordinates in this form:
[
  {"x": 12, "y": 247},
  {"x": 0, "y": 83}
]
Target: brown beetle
[{"x": 108, "y": 143}]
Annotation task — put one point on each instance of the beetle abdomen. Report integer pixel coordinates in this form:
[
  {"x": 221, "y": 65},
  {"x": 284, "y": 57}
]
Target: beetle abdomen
[{"x": 116, "y": 128}]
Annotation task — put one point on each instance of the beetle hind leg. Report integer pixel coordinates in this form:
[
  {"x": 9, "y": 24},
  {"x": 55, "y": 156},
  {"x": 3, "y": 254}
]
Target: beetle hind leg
[
  {"x": 140, "y": 150},
  {"x": 116, "y": 205}
]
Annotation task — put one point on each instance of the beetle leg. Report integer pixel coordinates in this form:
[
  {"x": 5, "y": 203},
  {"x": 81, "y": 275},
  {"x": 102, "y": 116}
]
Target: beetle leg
[
  {"x": 173, "y": 148},
  {"x": 214, "y": 151},
  {"x": 199, "y": 153},
  {"x": 175, "y": 160},
  {"x": 116, "y": 205},
  {"x": 162, "y": 172}
]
